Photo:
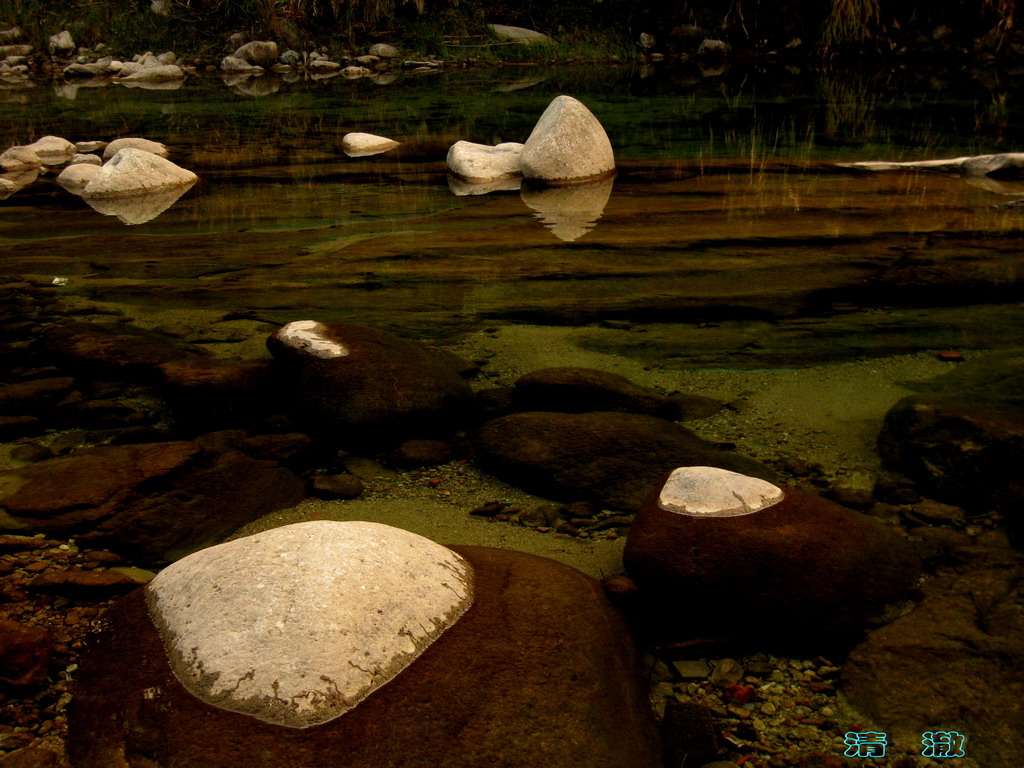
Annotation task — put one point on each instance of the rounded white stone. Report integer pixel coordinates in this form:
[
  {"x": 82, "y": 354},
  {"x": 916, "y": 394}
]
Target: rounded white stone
[
  {"x": 567, "y": 145},
  {"x": 484, "y": 163},
  {"x": 133, "y": 172},
  {"x": 714, "y": 492},
  {"x": 364, "y": 144},
  {"x": 297, "y": 625},
  {"x": 76, "y": 177},
  {"x": 153, "y": 147},
  {"x": 308, "y": 336}
]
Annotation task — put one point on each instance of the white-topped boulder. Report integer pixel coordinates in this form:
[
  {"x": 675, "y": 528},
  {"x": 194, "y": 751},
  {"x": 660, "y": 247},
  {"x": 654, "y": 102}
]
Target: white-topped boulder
[
  {"x": 365, "y": 144},
  {"x": 714, "y": 492},
  {"x": 136, "y": 172},
  {"x": 260, "y": 53},
  {"x": 87, "y": 158},
  {"x": 153, "y": 147},
  {"x": 481, "y": 163},
  {"x": 567, "y": 146},
  {"x": 297, "y": 625},
  {"x": 156, "y": 74}
]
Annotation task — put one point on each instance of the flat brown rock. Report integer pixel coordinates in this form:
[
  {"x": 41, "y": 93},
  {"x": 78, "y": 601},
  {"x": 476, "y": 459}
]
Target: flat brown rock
[
  {"x": 152, "y": 500},
  {"x": 539, "y": 672}
]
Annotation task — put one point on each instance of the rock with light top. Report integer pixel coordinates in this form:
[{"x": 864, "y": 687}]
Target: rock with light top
[
  {"x": 366, "y": 144},
  {"x": 153, "y": 147},
  {"x": 718, "y": 554},
  {"x": 1006, "y": 165},
  {"x": 567, "y": 146},
  {"x": 715, "y": 492},
  {"x": 519, "y": 34},
  {"x": 480, "y": 163},
  {"x": 297, "y": 625},
  {"x": 540, "y": 661},
  {"x": 132, "y": 172},
  {"x": 260, "y": 53},
  {"x": 350, "y": 383}
]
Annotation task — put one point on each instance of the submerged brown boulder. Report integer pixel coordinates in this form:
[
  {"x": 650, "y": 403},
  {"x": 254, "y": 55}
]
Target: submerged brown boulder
[
  {"x": 153, "y": 501},
  {"x": 539, "y": 671},
  {"x": 610, "y": 458},
  {"x": 349, "y": 383},
  {"x": 795, "y": 570}
]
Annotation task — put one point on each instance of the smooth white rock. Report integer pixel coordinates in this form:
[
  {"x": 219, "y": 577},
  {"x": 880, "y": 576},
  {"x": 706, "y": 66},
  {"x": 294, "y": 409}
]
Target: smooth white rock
[
  {"x": 136, "y": 172},
  {"x": 153, "y": 147},
  {"x": 52, "y": 150},
  {"x": 383, "y": 50},
  {"x": 518, "y": 34},
  {"x": 365, "y": 144},
  {"x": 62, "y": 42},
  {"x": 261, "y": 53},
  {"x": 86, "y": 159},
  {"x": 297, "y": 625},
  {"x": 714, "y": 492},
  {"x": 234, "y": 64},
  {"x": 323, "y": 65},
  {"x": 352, "y": 72},
  {"x": 483, "y": 163},
  {"x": 308, "y": 336},
  {"x": 89, "y": 146},
  {"x": 567, "y": 146},
  {"x": 19, "y": 159},
  {"x": 156, "y": 74},
  {"x": 978, "y": 165},
  {"x": 77, "y": 176}
]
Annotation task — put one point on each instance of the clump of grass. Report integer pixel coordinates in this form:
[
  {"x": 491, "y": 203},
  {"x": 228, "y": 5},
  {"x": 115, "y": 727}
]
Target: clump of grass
[{"x": 850, "y": 21}]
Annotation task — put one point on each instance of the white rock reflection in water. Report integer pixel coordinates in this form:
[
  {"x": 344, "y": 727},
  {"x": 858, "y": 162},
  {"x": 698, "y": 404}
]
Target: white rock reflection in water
[
  {"x": 569, "y": 212},
  {"x": 140, "y": 208},
  {"x": 463, "y": 188}
]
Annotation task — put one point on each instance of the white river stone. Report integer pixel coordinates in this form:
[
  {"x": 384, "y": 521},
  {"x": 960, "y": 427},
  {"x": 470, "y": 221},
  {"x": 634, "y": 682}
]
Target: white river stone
[{"x": 714, "y": 492}]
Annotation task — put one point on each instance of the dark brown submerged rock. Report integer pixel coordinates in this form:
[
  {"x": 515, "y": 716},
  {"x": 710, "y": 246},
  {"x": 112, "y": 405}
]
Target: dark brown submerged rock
[
  {"x": 539, "y": 672},
  {"x": 803, "y": 574},
  {"x": 613, "y": 459},
  {"x": 154, "y": 500}
]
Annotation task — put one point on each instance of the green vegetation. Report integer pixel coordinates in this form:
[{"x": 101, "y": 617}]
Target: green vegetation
[{"x": 591, "y": 30}]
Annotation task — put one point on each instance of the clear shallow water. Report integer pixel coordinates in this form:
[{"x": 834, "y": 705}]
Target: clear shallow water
[{"x": 727, "y": 216}]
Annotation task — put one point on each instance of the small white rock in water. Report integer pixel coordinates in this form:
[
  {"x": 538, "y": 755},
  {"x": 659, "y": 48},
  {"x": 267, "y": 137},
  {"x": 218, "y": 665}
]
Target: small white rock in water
[
  {"x": 153, "y": 147},
  {"x": 76, "y": 177},
  {"x": 52, "y": 150},
  {"x": 364, "y": 144},
  {"x": 297, "y": 625},
  {"x": 483, "y": 163},
  {"x": 137, "y": 172},
  {"x": 714, "y": 492},
  {"x": 567, "y": 146},
  {"x": 308, "y": 336}
]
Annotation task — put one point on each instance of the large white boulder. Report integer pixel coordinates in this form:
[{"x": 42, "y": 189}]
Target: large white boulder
[
  {"x": 714, "y": 492},
  {"x": 364, "y": 144},
  {"x": 52, "y": 150},
  {"x": 134, "y": 172},
  {"x": 482, "y": 163},
  {"x": 567, "y": 146},
  {"x": 153, "y": 147},
  {"x": 297, "y": 625}
]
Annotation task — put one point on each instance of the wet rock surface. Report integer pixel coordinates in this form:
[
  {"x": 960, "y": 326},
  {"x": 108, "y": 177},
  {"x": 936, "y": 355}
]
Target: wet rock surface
[
  {"x": 471, "y": 694},
  {"x": 611, "y": 458},
  {"x": 807, "y": 572}
]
